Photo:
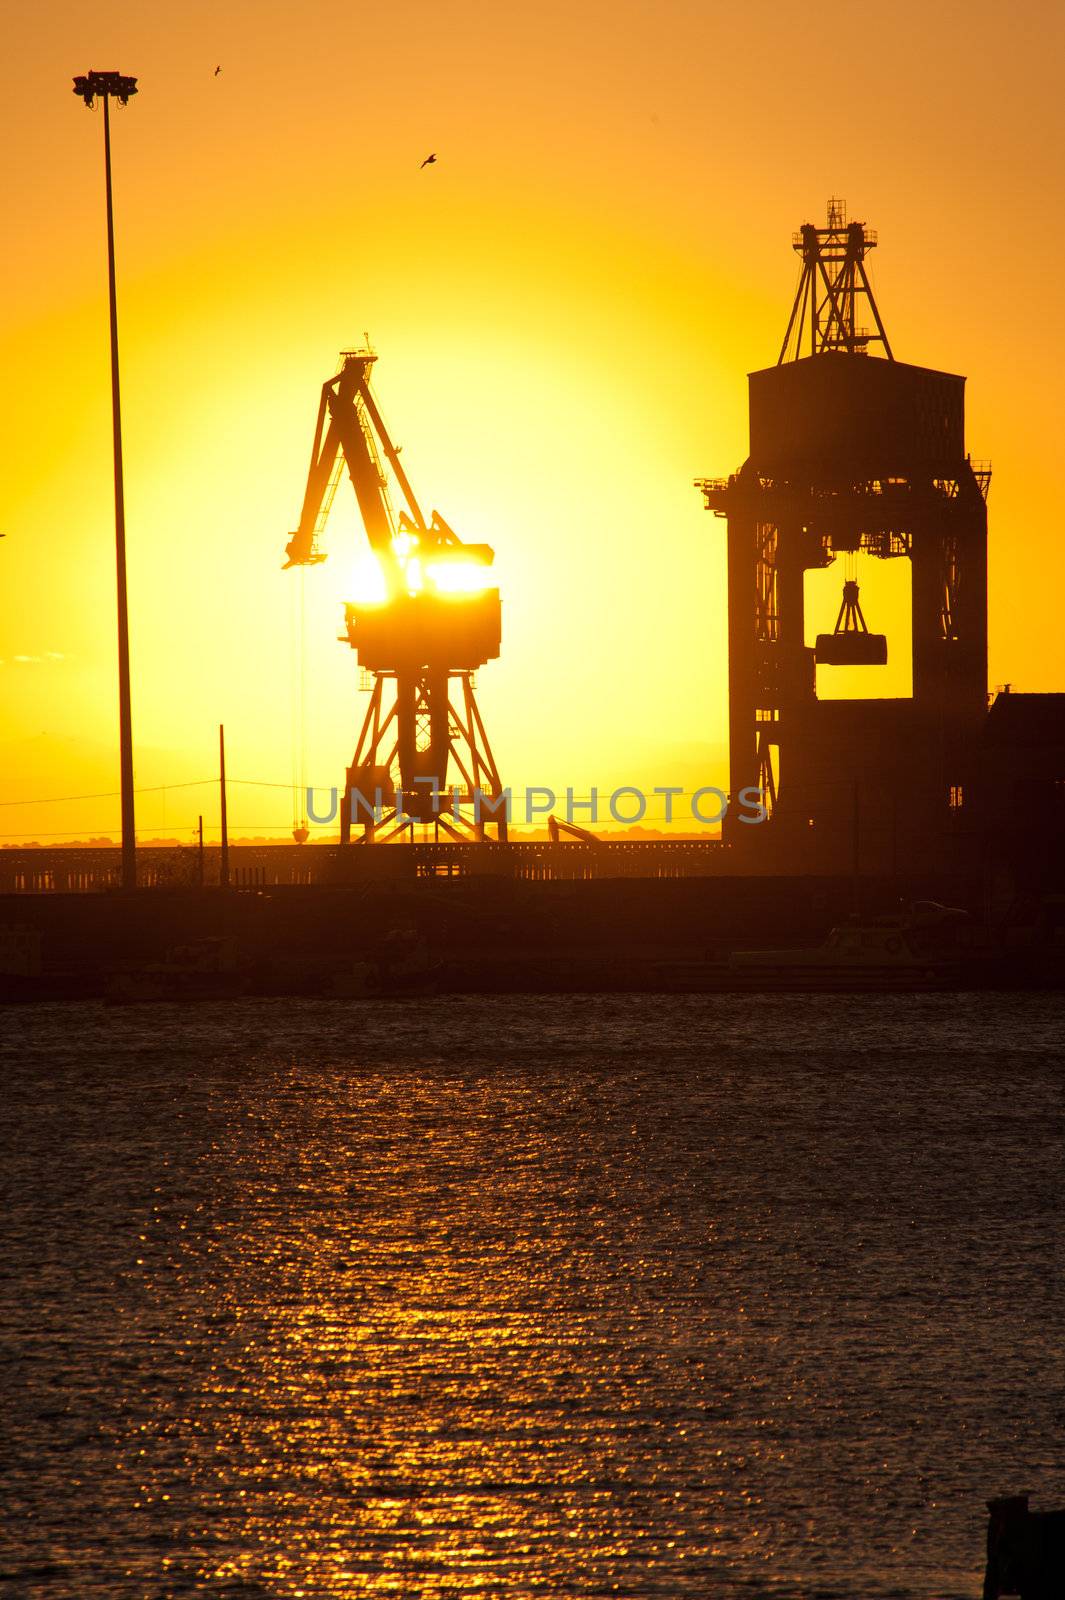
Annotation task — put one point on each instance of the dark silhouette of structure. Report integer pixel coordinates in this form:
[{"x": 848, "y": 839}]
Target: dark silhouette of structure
[
  {"x": 1021, "y": 792},
  {"x": 423, "y": 639},
  {"x": 223, "y": 808},
  {"x": 832, "y": 283},
  {"x": 851, "y": 455},
  {"x": 1025, "y": 1551},
  {"x": 91, "y": 87}
]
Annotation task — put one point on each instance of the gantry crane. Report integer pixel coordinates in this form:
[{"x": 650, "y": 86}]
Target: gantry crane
[
  {"x": 853, "y": 455},
  {"x": 436, "y": 623}
]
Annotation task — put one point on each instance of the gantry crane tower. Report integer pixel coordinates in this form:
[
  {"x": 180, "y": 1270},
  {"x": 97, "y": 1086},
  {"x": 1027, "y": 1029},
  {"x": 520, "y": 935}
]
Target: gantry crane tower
[
  {"x": 436, "y": 623},
  {"x": 852, "y": 456}
]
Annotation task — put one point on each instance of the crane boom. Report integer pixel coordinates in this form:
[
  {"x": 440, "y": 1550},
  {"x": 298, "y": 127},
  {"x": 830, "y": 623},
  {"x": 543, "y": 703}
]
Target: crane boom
[
  {"x": 341, "y": 432},
  {"x": 350, "y": 426}
]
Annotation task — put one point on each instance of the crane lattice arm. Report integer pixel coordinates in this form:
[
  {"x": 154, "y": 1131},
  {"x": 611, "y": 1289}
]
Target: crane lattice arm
[{"x": 350, "y": 429}]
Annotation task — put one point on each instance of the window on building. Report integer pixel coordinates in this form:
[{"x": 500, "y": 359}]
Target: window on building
[{"x": 957, "y": 796}]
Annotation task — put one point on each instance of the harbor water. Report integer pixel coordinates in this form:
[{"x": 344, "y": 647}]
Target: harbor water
[{"x": 609, "y": 1296}]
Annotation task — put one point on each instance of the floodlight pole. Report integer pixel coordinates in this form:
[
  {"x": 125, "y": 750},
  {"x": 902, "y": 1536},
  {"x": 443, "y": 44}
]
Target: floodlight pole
[
  {"x": 103, "y": 85},
  {"x": 223, "y": 864}
]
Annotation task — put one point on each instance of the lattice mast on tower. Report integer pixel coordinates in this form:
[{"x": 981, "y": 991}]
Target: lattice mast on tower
[{"x": 833, "y": 286}]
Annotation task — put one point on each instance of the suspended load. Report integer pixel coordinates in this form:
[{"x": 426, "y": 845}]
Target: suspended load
[{"x": 851, "y": 644}]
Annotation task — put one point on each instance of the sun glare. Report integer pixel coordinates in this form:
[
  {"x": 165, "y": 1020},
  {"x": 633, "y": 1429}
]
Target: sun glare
[
  {"x": 366, "y": 581},
  {"x": 458, "y": 577}
]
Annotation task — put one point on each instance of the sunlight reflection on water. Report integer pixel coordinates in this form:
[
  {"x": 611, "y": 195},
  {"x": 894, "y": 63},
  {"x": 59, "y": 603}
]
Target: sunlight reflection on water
[{"x": 635, "y": 1296}]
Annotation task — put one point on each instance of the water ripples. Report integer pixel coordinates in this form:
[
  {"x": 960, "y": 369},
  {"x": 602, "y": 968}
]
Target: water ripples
[{"x": 627, "y": 1296}]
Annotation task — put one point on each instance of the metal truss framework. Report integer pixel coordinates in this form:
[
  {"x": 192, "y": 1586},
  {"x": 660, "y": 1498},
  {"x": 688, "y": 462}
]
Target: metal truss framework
[
  {"x": 832, "y": 283},
  {"x": 778, "y": 530},
  {"x": 472, "y": 809}
]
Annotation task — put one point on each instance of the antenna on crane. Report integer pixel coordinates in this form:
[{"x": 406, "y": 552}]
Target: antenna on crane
[{"x": 833, "y": 283}]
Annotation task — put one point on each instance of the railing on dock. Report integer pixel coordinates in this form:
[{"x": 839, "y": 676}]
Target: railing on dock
[{"x": 75, "y": 869}]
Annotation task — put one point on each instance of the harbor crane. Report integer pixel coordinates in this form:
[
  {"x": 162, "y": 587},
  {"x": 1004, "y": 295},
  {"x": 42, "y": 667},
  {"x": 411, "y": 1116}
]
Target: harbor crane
[
  {"x": 422, "y": 756},
  {"x": 854, "y": 455}
]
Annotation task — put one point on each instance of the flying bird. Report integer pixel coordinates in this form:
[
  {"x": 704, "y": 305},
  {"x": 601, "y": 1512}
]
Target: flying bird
[
  {"x": 428, "y": 161},
  {"x": 217, "y": 70}
]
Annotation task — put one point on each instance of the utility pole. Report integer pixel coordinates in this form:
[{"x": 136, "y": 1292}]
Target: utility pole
[
  {"x": 104, "y": 86},
  {"x": 201, "y": 853},
  {"x": 223, "y": 869}
]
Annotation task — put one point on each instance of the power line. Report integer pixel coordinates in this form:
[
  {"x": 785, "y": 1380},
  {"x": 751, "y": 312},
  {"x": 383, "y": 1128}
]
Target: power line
[{"x": 107, "y": 794}]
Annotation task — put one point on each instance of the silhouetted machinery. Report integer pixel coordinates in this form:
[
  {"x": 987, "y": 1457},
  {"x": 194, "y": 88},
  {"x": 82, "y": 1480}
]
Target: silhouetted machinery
[
  {"x": 850, "y": 644},
  {"x": 852, "y": 456},
  {"x": 422, "y": 755},
  {"x": 1025, "y": 1551}
]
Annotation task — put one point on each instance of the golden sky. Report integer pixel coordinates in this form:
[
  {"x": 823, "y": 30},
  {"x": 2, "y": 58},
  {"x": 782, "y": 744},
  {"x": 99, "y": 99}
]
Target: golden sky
[{"x": 565, "y": 307}]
